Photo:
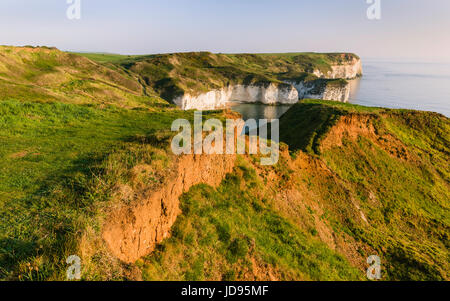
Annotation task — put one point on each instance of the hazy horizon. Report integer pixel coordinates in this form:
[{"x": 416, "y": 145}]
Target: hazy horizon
[{"x": 408, "y": 29}]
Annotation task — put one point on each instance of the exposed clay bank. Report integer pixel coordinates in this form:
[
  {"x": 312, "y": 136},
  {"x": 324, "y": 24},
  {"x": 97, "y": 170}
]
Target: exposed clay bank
[{"x": 133, "y": 231}]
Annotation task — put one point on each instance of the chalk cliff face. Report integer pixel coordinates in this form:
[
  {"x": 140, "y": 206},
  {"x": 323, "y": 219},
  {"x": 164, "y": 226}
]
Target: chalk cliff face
[
  {"x": 274, "y": 93},
  {"x": 336, "y": 93},
  {"x": 266, "y": 94},
  {"x": 349, "y": 70},
  {"x": 320, "y": 90}
]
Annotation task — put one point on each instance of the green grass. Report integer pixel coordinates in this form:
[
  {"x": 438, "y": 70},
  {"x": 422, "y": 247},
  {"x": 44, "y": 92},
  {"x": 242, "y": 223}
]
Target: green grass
[
  {"x": 106, "y": 57},
  {"x": 307, "y": 123},
  {"x": 405, "y": 200},
  {"x": 412, "y": 220},
  {"x": 73, "y": 128},
  {"x": 46, "y": 74},
  {"x": 197, "y": 72},
  {"x": 61, "y": 163},
  {"x": 310, "y": 120},
  {"x": 222, "y": 232},
  {"x": 51, "y": 155}
]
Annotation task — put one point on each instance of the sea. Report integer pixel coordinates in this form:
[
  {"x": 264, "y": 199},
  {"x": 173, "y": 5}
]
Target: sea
[{"x": 386, "y": 83}]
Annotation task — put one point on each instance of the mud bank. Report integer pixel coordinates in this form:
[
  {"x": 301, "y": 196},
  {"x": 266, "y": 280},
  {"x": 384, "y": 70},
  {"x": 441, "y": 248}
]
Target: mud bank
[{"x": 133, "y": 231}]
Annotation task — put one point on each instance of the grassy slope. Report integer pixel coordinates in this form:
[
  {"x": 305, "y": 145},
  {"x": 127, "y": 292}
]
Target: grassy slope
[
  {"x": 47, "y": 74},
  {"x": 68, "y": 161},
  {"x": 52, "y": 155},
  {"x": 69, "y": 157},
  {"x": 106, "y": 57},
  {"x": 405, "y": 199},
  {"x": 322, "y": 210},
  {"x": 233, "y": 233},
  {"x": 61, "y": 117},
  {"x": 174, "y": 74}
]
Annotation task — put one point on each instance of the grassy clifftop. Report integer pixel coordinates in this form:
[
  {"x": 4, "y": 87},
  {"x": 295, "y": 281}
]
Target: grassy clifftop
[
  {"x": 44, "y": 74},
  {"x": 351, "y": 182},
  {"x": 391, "y": 168},
  {"x": 358, "y": 182},
  {"x": 47, "y": 74},
  {"x": 198, "y": 72}
]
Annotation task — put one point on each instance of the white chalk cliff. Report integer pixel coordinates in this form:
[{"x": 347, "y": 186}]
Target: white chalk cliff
[
  {"x": 318, "y": 90},
  {"x": 350, "y": 70},
  {"x": 266, "y": 94},
  {"x": 274, "y": 93},
  {"x": 325, "y": 92}
]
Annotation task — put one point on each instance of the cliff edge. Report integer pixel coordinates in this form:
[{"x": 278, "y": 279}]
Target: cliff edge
[{"x": 203, "y": 80}]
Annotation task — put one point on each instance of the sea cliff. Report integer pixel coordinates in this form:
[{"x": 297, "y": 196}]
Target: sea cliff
[
  {"x": 204, "y": 81},
  {"x": 266, "y": 94}
]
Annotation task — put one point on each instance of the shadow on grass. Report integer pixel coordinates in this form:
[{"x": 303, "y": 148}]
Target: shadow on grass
[{"x": 305, "y": 124}]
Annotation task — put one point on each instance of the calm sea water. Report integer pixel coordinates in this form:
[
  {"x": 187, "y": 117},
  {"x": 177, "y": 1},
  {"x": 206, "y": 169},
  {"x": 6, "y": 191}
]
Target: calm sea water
[
  {"x": 260, "y": 111},
  {"x": 418, "y": 86}
]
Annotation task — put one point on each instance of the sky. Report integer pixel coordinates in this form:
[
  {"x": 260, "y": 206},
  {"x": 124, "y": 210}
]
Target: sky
[{"x": 408, "y": 29}]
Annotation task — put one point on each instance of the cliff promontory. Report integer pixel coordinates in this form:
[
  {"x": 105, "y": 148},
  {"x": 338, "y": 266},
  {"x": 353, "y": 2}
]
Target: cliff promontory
[{"x": 203, "y": 80}]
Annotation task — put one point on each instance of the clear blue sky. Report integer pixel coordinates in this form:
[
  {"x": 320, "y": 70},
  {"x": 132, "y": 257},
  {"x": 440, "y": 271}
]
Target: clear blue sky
[{"x": 408, "y": 28}]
